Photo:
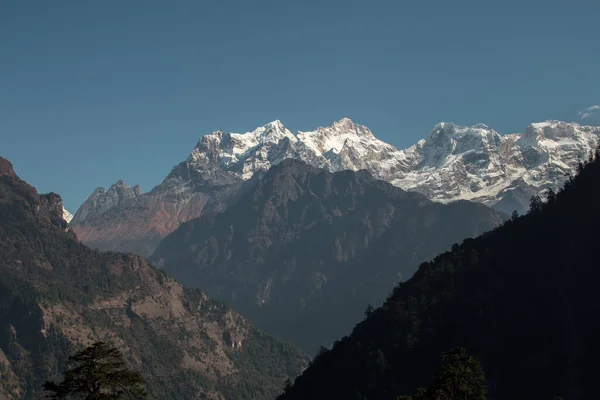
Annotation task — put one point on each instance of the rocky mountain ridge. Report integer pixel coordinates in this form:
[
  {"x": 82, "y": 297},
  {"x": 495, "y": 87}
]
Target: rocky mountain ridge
[
  {"x": 57, "y": 295},
  {"x": 453, "y": 163}
]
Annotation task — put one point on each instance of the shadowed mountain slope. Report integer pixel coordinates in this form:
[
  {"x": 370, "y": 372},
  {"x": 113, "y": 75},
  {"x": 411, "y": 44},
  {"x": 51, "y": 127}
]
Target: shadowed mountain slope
[
  {"x": 522, "y": 298},
  {"x": 57, "y": 295},
  {"x": 303, "y": 251}
]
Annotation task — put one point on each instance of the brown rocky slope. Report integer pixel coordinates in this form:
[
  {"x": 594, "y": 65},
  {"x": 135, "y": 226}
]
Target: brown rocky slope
[
  {"x": 57, "y": 295},
  {"x": 123, "y": 218}
]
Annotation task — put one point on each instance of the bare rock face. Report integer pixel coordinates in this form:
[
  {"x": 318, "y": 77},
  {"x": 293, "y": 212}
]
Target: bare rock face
[
  {"x": 123, "y": 218},
  {"x": 57, "y": 295},
  {"x": 6, "y": 168},
  {"x": 54, "y": 206}
]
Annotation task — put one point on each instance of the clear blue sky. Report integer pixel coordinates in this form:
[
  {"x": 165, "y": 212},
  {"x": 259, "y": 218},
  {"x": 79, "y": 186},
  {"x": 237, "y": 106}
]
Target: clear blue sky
[{"x": 95, "y": 91}]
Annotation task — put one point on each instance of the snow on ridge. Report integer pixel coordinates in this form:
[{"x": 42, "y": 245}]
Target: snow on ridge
[
  {"x": 67, "y": 216},
  {"x": 322, "y": 140},
  {"x": 454, "y": 162}
]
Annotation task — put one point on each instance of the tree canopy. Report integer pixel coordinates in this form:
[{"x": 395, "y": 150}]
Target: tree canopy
[{"x": 98, "y": 372}]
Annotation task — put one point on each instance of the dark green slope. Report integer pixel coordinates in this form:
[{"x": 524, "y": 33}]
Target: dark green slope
[{"x": 523, "y": 298}]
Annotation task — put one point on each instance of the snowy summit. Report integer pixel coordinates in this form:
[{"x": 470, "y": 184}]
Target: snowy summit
[{"x": 453, "y": 163}]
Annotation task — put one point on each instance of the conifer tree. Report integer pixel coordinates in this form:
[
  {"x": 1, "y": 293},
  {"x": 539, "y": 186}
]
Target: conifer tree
[
  {"x": 535, "y": 204},
  {"x": 98, "y": 373},
  {"x": 460, "y": 376},
  {"x": 515, "y": 215},
  {"x": 550, "y": 196}
]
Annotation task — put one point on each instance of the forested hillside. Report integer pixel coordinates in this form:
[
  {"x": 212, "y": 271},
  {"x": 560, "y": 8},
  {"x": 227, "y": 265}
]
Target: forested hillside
[
  {"x": 57, "y": 295},
  {"x": 522, "y": 298}
]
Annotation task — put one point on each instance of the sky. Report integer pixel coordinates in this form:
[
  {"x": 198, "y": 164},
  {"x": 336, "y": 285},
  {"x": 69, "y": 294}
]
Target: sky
[{"x": 96, "y": 91}]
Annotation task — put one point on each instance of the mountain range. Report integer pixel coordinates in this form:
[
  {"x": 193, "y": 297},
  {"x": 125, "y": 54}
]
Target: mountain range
[
  {"x": 302, "y": 251},
  {"x": 452, "y": 163},
  {"x": 58, "y": 295},
  {"x": 299, "y": 232},
  {"x": 521, "y": 299}
]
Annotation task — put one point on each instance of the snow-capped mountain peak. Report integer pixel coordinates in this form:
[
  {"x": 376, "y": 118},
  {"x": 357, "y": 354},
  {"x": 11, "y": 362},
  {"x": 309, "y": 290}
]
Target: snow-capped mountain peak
[
  {"x": 553, "y": 130},
  {"x": 457, "y": 132},
  {"x": 339, "y": 134},
  {"x": 453, "y": 162},
  {"x": 347, "y": 125},
  {"x": 232, "y": 150},
  {"x": 272, "y": 132},
  {"x": 447, "y": 139}
]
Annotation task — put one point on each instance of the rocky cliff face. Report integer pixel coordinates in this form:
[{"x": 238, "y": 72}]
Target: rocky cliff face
[
  {"x": 303, "y": 251},
  {"x": 123, "y": 218},
  {"x": 452, "y": 163},
  {"x": 57, "y": 295}
]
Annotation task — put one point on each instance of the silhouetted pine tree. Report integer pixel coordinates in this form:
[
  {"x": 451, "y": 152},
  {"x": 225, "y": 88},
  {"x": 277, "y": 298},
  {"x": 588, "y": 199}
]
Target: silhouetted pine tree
[
  {"x": 98, "y": 372},
  {"x": 460, "y": 376}
]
